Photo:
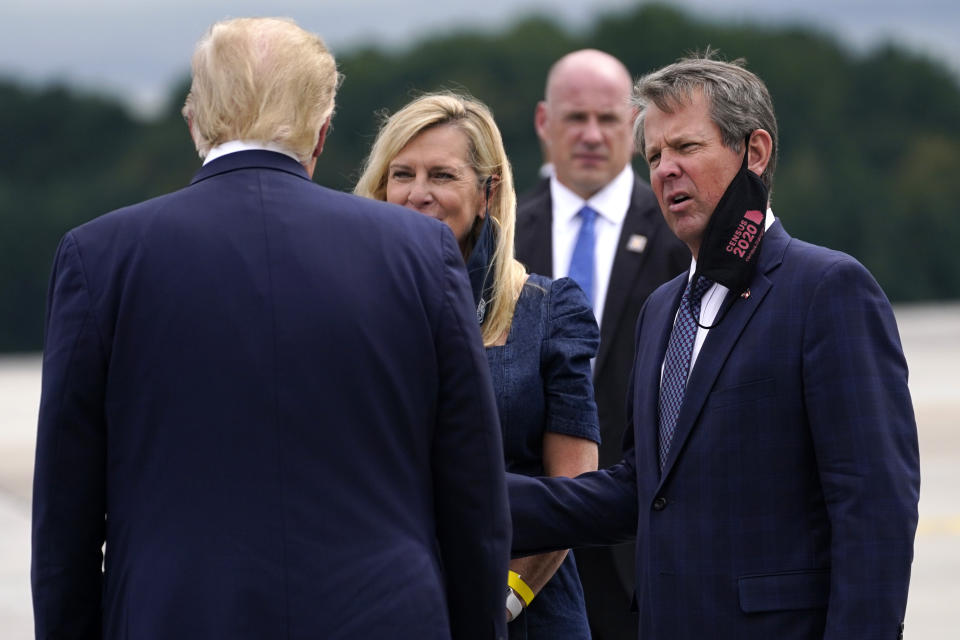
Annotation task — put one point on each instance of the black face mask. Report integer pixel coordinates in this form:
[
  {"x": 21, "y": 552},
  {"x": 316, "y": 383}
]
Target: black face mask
[{"x": 731, "y": 242}]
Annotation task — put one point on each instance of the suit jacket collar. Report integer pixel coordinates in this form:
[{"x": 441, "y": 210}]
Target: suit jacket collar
[
  {"x": 254, "y": 159},
  {"x": 538, "y": 219},
  {"x": 611, "y": 202},
  {"x": 720, "y": 341}
]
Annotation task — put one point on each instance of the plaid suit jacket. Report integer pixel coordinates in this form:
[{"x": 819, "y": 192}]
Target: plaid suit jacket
[{"x": 788, "y": 503}]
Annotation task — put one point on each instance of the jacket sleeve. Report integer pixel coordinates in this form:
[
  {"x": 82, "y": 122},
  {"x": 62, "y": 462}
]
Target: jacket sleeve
[
  {"x": 571, "y": 339},
  {"x": 865, "y": 438},
  {"x": 598, "y": 508},
  {"x": 69, "y": 504},
  {"x": 473, "y": 522}
]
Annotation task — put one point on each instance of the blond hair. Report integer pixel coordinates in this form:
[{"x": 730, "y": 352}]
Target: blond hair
[
  {"x": 488, "y": 158},
  {"x": 262, "y": 80}
]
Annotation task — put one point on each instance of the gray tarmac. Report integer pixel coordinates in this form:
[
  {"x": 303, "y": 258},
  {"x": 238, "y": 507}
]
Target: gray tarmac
[{"x": 931, "y": 340}]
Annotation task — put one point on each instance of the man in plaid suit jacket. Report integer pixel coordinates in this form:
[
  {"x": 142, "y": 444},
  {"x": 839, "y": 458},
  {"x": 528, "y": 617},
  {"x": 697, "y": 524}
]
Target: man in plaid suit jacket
[{"x": 786, "y": 504}]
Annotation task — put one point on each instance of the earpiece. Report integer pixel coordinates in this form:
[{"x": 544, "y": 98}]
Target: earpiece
[{"x": 487, "y": 185}]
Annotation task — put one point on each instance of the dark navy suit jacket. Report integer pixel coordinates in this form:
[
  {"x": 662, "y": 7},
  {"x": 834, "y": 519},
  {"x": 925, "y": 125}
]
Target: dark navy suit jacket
[
  {"x": 271, "y": 401},
  {"x": 788, "y": 503}
]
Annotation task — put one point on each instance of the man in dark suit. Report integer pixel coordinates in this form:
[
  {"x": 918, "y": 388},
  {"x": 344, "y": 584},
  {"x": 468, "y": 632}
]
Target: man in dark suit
[
  {"x": 771, "y": 471},
  {"x": 585, "y": 125},
  {"x": 268, "y": 399}
]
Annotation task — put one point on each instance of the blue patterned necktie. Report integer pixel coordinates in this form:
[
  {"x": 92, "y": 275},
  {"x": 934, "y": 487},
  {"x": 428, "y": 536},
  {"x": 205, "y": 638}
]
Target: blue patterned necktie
[
  {"x": 582, "y": 259},
  {"x": 676, "y": 364}
]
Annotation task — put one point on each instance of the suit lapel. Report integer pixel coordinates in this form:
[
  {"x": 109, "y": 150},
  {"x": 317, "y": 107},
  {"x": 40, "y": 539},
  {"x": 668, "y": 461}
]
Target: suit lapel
[
  {"x": 627, "y": 265},
  {"x": 720, "y": 342},
  {"x": 534, "y": 236},
  {"x": 658, "y": 320}
]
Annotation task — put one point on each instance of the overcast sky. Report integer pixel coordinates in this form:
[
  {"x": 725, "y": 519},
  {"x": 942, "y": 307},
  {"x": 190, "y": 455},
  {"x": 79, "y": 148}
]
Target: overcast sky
[{"x": 137, "y": 50}]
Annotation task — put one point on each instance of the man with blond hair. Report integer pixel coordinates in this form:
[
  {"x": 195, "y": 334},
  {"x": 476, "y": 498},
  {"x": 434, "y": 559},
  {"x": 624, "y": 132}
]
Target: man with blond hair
[{"x": 266, "y": 400}]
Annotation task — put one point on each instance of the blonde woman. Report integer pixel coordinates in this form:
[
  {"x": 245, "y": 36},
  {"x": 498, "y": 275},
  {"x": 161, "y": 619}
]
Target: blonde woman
[{"x": 442, "y": 155}]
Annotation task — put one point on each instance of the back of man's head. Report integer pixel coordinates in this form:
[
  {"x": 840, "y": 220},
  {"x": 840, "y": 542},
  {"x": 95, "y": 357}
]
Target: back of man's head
[{"x": 261, "y": 80}]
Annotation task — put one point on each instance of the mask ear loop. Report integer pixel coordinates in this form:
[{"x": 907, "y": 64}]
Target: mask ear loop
[{"x": 726, "y": 305}]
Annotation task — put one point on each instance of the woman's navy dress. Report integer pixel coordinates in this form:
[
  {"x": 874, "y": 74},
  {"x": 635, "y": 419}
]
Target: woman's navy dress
[{"x": 542, "y": 381}]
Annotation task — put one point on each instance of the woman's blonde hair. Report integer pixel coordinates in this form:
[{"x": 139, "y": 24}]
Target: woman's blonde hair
[
  {"x": 488, "y": 158},
  {"x": 260, "y": 79}
]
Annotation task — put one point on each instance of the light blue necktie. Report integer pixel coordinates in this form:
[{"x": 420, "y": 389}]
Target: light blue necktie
[
  {"x": 582, "y": 260},
  {"x": 676, "y": 364}
]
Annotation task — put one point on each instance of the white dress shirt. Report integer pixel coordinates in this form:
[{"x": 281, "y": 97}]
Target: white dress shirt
[
  {"x": 234, "y": 146},
  {"x": 611, "y": 203}
]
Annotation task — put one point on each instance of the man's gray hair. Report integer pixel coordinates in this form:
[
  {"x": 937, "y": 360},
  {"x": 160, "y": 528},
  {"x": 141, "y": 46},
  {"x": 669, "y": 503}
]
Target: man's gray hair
[{"x": 739, "y": 101}]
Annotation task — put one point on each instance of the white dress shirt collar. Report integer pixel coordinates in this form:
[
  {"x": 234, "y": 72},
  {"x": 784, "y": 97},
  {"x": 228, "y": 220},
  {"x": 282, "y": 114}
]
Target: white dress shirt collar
[
  {"x": 234, "y": 146},
  {"x": 611, "y": 202}
]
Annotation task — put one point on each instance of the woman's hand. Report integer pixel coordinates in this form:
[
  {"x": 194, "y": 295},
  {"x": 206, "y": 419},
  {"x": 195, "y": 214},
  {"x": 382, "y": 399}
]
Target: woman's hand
[{"x": 567, "y": 456}]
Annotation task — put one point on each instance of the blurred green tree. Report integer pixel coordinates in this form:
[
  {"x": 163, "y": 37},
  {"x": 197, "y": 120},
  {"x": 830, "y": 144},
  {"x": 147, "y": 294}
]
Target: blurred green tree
[{"x": 869, "y": 143}]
